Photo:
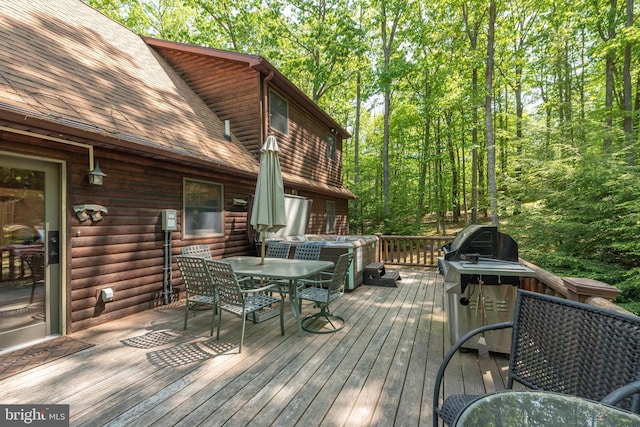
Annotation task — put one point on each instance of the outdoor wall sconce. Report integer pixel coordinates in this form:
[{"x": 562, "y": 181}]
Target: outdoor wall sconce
[
  {"x": 90, "y": 211},
  {"x": 239, "y": 202},
  {"x": 95, "y": 176}
]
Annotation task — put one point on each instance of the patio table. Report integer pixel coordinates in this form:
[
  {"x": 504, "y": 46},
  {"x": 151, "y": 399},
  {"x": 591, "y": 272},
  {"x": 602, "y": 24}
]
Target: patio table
[
  {"x": 540, "y": 408},
  {"x": 280, "y": 268}
]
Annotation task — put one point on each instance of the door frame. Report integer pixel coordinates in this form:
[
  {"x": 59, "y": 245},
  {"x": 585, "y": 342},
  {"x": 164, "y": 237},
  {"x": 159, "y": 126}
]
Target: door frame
[{"x": 58, "y": 273}]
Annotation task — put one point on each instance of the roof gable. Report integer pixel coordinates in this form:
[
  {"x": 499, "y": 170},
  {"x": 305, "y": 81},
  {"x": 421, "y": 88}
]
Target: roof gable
[
  {"x": 259, "y": 64},
  {"x": 64, "y": 62}
]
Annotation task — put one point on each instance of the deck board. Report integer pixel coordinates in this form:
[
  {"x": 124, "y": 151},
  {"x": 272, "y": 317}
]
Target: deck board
[{"x": 378, "y": 371}]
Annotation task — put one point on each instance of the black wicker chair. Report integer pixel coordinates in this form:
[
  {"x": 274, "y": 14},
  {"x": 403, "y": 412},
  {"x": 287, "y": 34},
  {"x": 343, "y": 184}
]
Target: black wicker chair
[{"x": 561, "y": 346}]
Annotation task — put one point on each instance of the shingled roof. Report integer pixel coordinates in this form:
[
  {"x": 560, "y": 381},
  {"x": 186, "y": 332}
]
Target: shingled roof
[{"x": 65, "y": 64}]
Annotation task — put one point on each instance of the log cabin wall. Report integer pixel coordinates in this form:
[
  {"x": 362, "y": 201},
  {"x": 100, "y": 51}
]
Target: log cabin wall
[
  {"x": 233, "y": 87},
  {"x": 318, "y": 218},
  {"x": 303, "y": 151},
  {"x": 125, "y": 250},
  {"x": 231, "y": 90}
]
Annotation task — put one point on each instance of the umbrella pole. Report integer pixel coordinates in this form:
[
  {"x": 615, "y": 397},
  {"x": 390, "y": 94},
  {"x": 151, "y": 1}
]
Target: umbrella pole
[{"x": 262, "y": 248}]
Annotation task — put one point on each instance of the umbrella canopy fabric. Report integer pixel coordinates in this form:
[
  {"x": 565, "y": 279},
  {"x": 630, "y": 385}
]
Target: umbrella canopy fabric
[{"x": 268, "y": 213}]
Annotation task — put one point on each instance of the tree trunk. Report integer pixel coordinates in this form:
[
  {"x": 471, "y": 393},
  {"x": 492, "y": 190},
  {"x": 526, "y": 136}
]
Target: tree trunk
[
  {"x": 488, "y": 114},
  {"x": 388, "y": 37},
  {"x": 472, "y": 33},
  {"x": 610, "y": 69},
  {"x": 637, "y": 108},
  {"x": 356, "y": 156},
  {"x": 385, "y": 150},
  {"x": 424, "y": 155},
  {"x": 627, "y": 93},
  {"x": 454, "y": 168}
]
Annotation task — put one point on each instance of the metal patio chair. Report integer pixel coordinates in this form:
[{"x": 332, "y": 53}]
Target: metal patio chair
[
  {"x": 323, "y": 292},
  {"x": 202, "y": 251},
  {"x": 308, "y": 251},
  {"x": 277, "y": 249},
  {"x": 234, "y": 299},
  {"x": 561, "y": 346},
  {"x": 200, "y": 289}
]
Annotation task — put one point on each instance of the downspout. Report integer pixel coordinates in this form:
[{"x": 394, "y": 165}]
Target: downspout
[{"x": 265, "y": 106}]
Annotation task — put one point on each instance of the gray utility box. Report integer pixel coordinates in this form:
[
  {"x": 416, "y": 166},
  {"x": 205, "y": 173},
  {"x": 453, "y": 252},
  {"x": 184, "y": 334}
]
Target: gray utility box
[{"x": 482, "y": 293}]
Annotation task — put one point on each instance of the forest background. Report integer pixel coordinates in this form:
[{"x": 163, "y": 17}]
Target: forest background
[{"x": 522, "y": 113}]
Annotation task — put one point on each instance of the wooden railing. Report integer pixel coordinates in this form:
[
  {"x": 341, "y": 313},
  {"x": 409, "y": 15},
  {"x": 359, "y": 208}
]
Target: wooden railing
[
  {"x": 598, "y": 294},
  {"x": 423, "y": 251},
  {"x": 418, "y": 251}
]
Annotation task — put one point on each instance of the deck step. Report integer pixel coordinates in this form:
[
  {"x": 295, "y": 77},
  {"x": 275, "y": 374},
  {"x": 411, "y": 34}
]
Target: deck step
[{"x": 376, "y": 275}]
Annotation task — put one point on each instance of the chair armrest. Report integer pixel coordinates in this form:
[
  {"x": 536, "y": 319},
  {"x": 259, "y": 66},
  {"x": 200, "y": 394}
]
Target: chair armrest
[
  {"x": 449, "y": 355},
  {"x": 318, "y": 281},
  {"x": 617, "y": 395},
  {"x": 269, "y": 287},
  {"x": 243, "y": 279}
]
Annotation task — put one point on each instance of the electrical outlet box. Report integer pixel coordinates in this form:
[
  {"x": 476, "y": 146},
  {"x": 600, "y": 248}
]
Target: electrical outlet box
[{"x": 169, "y": 220}]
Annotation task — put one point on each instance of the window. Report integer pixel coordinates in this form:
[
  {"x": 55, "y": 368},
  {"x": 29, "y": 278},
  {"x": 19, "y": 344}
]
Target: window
[
  {"x": 203, "y": 209},
  {"x": 278, "y": 113},
  {"x": 331, "y": 147},
  {"x": 331, "y": 217}
]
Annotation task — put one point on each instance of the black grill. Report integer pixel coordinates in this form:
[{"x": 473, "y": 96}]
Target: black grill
[
  {"x": 480, "y": 255},
  {"x": 481, "y": 242}
]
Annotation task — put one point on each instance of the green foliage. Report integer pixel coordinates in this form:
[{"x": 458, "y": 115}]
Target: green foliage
[
  {"x": 600, "y": 210},
  {"x": 541, "y": 236}
]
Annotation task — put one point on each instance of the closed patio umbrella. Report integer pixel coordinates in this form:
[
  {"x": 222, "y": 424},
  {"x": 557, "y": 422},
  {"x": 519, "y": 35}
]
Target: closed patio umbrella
[{"x": 268, "y": 212}]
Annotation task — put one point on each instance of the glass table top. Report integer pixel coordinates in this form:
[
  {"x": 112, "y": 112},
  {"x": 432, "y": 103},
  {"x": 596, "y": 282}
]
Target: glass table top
[
  {"x": 535, "y": 408},
  {"x": 276, "y": 267}
]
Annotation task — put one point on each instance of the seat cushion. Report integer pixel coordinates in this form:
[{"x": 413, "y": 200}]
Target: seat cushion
[{"x": 453, "y": 405}]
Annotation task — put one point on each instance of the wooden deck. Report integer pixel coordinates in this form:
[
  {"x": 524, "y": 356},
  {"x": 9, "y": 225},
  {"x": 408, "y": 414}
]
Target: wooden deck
[{"x": 379, "y": 370}]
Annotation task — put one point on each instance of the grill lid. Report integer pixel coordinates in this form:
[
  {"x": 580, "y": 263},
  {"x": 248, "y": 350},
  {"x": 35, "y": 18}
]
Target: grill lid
[{"x": 476, "y": 242}]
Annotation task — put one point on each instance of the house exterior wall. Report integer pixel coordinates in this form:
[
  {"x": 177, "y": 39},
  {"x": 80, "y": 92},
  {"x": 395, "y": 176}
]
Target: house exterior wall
[
  {"x": 304, "y": 147},
  {"x": 230, "y": 90},
  {"x": 238, "y": 92},
  {"x": 153, "y": 117},
  {"x": 125, "y": 251},
  {"x": 318, "y": 217}
]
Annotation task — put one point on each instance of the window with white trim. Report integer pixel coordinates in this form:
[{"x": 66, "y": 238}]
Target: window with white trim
[{"x": 203, "y": 209}]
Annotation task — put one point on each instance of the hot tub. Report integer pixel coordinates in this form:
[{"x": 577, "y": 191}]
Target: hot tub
[{"x": 364, "y": 249}]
